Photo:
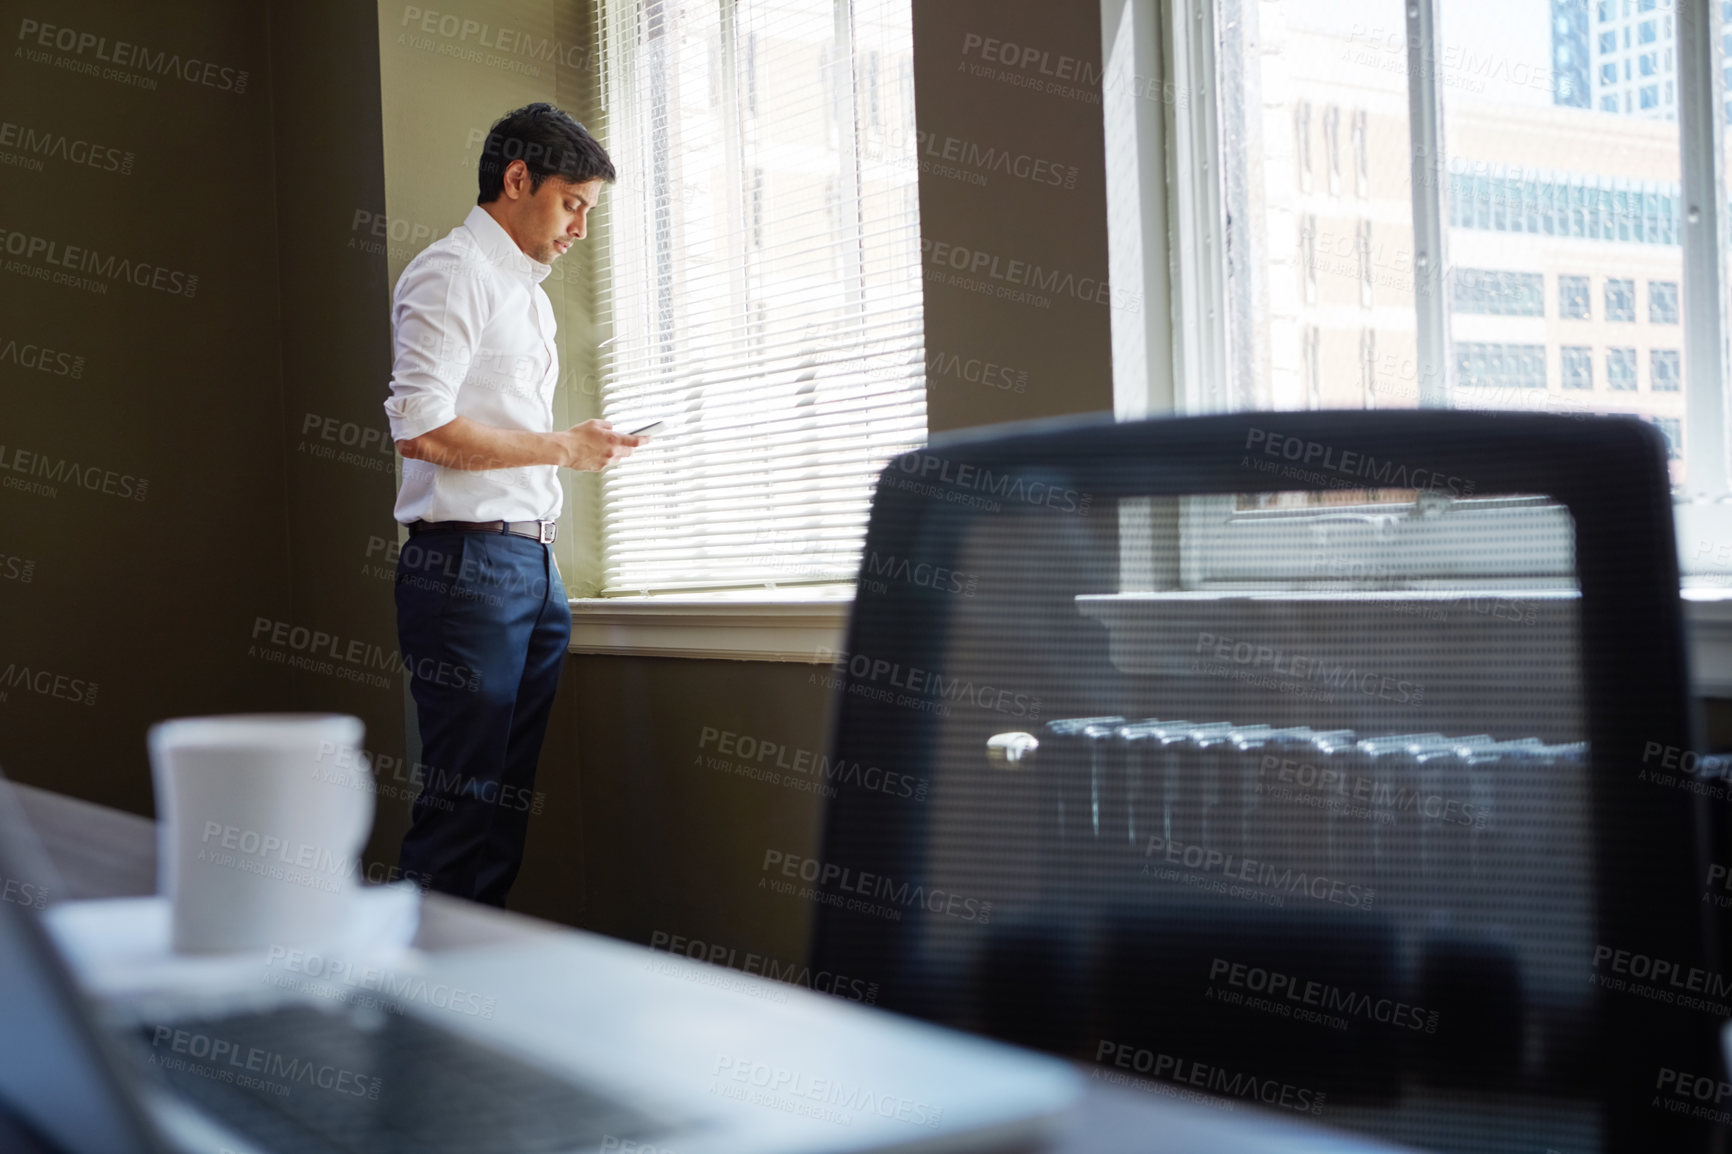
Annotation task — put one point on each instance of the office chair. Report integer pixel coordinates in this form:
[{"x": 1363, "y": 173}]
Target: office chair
[{"x": 1302, "y": 760}]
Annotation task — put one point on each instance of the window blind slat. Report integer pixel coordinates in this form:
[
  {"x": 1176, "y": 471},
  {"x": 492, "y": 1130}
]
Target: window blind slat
[{"x": 760, "y": 285}]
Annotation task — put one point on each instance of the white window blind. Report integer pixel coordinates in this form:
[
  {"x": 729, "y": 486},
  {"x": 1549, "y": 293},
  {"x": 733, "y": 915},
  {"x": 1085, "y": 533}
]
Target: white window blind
[{"x": 761, "y": 284}]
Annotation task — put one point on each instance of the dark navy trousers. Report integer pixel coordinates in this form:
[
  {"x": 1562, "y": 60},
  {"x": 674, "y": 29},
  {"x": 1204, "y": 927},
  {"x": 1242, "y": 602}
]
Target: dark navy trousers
[{"x": 484, "y": 625}]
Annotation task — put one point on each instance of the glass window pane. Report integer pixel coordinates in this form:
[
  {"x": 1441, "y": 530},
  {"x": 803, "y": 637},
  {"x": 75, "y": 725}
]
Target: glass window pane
[
  {"x": 1319, "y": 192},
  {"x": 1663, "y": 302},
  {"x": 1582, "y": 110}
]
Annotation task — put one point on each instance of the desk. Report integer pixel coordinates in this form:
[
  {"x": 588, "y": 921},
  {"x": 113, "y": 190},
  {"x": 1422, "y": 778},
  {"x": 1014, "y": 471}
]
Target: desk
[{"x": 103, "y": 853}]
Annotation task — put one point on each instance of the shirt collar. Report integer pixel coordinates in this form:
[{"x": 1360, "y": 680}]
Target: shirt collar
[{"x": 497, "y": 244}]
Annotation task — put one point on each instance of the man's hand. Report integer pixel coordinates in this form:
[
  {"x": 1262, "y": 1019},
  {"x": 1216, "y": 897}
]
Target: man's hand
[
  {"x": 593, "y": 446},
  {"x": 473, "y": 446}
]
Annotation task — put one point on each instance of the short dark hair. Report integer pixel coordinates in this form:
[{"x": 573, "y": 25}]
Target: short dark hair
[{"x": 549, "y": 142}]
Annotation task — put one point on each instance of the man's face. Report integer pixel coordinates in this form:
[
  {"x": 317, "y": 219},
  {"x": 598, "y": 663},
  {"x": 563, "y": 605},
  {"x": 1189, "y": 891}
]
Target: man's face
[
  {"x": 556, "y": 216},
  {"x": 545, "y": 223}
]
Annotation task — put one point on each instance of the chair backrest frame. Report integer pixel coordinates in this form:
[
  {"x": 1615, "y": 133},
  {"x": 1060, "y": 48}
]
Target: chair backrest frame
[{"x": 1651, "y": 844}]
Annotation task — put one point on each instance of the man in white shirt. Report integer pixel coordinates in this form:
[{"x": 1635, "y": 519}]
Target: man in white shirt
[{"x": 482, "y": 616}]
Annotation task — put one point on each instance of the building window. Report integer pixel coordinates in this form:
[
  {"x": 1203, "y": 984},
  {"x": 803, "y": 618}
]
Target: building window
[
  {"x": 1620, "y": 299},
  {"x": 1608, "y": 42},
  {"x": 1361, "y": 156},
  {"x": 1313, "y": 368},
  {"x": 1664, "y": 373},
  {"x": 1368, "y": 366},
  {"x": 1648, "y": 63},
  {"x": 1577, "y": 365},
  {"x": 1482, "y": 365},
  {"x": 1331, "y": 147},
  {"x": 1302, "y": 137},
  {"x": 1650, "y": 96},
  {"x": 1573, "y": 299},
  {"x": 1588, "y": 208},
  {"x": 1308, "y": 256},
  {"x": 1499, "y": 293},
  {"x": 1670, "y": 428},
  {"x": 1663, "y": 302},
  {"x": 1621, "y": 370},
  {"x": 1362, "y": 245}
]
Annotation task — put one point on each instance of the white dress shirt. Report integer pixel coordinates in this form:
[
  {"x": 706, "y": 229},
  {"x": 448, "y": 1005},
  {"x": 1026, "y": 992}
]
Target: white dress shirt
[{"x": 474, "y": 338}]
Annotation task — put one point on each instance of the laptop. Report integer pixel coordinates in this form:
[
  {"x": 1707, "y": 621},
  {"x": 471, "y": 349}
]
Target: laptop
[{"x": 587, "y": 1044}]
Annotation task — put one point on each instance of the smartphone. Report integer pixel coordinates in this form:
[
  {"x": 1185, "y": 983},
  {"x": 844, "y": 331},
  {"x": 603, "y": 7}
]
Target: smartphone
[{"x": 653, "y": 426}]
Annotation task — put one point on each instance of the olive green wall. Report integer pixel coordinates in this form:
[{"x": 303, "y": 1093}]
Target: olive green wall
[
  {"x": 1013, "y": 215},
  {"x": 179, "y": 520}
]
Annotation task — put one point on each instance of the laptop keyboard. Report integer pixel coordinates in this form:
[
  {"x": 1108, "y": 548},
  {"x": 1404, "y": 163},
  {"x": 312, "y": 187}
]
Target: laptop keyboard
[{"x": 353, "y": 1079}]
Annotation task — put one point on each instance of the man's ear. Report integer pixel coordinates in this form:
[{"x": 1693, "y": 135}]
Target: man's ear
[{"x": 516, "y": 179}]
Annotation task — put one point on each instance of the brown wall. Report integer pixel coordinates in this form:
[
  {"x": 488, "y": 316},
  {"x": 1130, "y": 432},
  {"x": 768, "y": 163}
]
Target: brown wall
[
  {"x": 984, "y": 229},
  {"x": 137, "y": 607},
  {"x": 157, "y": 601},
  {"x": 335, "y": 342}
]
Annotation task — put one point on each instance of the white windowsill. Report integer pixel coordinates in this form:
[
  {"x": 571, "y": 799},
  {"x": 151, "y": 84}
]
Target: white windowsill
[
  {"x": 802, "y": 626},
  {"x": 1708, "y": 632},
  {"x": 798, "y": 625}
]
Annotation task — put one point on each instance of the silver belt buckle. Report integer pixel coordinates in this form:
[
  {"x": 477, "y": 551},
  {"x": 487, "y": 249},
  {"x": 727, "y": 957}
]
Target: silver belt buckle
[{"x": 546, "y": 530}]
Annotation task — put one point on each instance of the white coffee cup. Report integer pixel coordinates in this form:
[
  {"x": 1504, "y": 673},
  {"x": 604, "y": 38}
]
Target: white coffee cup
[{"x": 261, "y": 819}]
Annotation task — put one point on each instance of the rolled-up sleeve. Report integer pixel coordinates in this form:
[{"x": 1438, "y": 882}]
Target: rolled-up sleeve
[{"x": 436, "y": 321}]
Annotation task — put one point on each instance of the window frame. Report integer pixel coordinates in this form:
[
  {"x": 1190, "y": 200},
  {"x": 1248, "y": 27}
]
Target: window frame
[
  {"x": 745, "y": 193},
  {"x": 1189, "y": 29}
]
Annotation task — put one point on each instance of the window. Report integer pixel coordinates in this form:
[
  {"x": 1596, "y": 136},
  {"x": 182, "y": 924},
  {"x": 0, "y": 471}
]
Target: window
[
  {"x": 1361, "y": 157},
  {"x": 1663, "y": 302},
  {"x": 1621, "y": 370},
  {"x": 1663, "y": 371},
  {"x": 762, "y": 285},
  {"x": 1313, "y": 368},
  {"x": 1500, "y": 293},
  {"x": 1506, "y": 184},
  {"x": 1672, "y": 430},
  {"x": 1493, "y": 197},
  {"x": 1368, "y": 367},
  {"x": 1331, "y": 147},
  {"x": 1483, "y": 365},
  {"x": 1362, "y": 248},
  {"x": 1620, "y": 299}
]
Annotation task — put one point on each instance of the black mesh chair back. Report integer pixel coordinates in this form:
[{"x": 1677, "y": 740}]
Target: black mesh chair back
[{"x": 1319, "y": 762}]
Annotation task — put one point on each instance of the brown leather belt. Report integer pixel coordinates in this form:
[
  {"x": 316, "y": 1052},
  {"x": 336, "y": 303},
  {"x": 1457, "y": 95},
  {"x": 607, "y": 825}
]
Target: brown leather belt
[{"x": 543, "y": 531}]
